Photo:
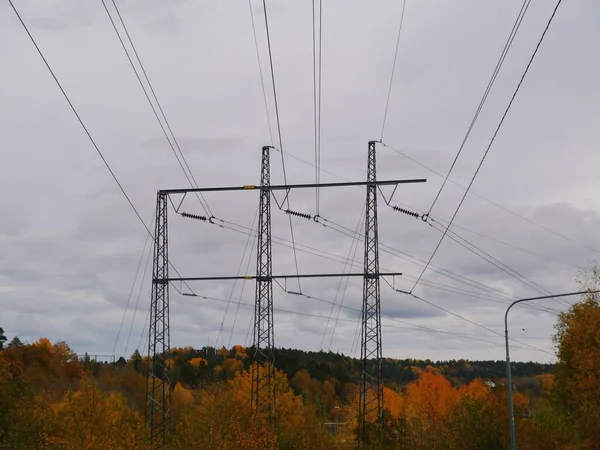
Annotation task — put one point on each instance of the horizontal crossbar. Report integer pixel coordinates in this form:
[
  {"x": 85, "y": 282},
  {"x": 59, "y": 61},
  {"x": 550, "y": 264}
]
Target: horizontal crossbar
[
  {"x": 272, "y": 277},
  {"x": 286, "y": 187}
]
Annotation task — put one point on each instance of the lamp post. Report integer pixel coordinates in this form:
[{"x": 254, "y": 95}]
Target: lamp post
[{"x": 513, "y": 440}]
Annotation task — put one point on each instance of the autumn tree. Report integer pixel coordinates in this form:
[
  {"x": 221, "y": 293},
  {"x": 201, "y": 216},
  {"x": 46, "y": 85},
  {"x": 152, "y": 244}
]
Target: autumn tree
[
  {"x": 473, "y": 422},
  {"x": 136, "y": 360},
  {"x": 15, "y": 342},
  {"x": 429, "y": 400},
  {"x": 9, "y": 393},
  {"x": 576, "y": 383},
  {"x": 2, "y": 338},
  {"x": 232, "y": 366},
  {"x": 90, "y": 419}
]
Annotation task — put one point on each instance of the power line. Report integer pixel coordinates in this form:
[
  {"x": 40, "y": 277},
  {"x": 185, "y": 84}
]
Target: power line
[
  {"x": 355, "y": 339},
  {"x": 408, "y": 326},
  {"x": 492, "y": 202},
  {"x": 475, "y": 194},
  {"x": 85, "y": 128},
  {"x": 351, "y": 255},
  {"x": 417, "y": 327},
  {"x": 495, "y": 262},
  {"x": 390, "y": 250},
  {"x": 499, "y": 64},
  {"x": 237, "y": 274},
  {"x": 246, "y": 341},
  {"x": 345, "y": 289},
  {"x": 317, "y": 97},
  {"x": 441, "y": 287},
  {"x": 79, "y": 119},
  {"x": 137, "y": 271},
  {"x": 143, "y": 334},
  {"x": 508, "y": 244},
  {"x": 320, "y": 96},
  {"x": 262, "y": 81},
  {"x": 480, "y": 296},
  {"x": 138, "y": 300},
  {"x": 275, "y": 95},
  {"x": 279, "y": 134},
  {"x": 403, "y": 255},
  {"x": 237, "y": 310},
  {"x": 387, "y": 103},
  {"x": 440, "y": 220},
  {"x": 491, "y": 141},
  {"x": 469, "y": 321},
  {"x": 170, "y": 139}
]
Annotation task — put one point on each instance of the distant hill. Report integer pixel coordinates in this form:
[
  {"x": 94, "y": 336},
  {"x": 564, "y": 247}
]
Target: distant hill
[{"x": 321, "y": 366}]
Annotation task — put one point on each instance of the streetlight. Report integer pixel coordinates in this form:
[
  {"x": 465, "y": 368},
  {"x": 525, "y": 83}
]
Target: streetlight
[{"x": 513, "y": 440}]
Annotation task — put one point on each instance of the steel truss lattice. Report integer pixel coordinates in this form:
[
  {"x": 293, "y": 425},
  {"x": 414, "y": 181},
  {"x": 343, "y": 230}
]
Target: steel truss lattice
[
  {"x": 158, "y": 386},
  {"x": 371, "y": 385},
  {"x": 263, "y": 369}
]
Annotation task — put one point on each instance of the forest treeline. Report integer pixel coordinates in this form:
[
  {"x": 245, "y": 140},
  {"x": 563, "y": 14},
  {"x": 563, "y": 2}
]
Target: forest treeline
[
  {"x": 52, "y": 398},
  {"x": 323, "y": 366}
]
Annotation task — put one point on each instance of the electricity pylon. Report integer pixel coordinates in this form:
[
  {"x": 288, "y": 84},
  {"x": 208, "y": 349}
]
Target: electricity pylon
[
  {"x": 263, "y": 369},
  {"x": 158, "y": 394},
  {"x": 158, "y": 389},
  {"x": 371, "y": 385}
]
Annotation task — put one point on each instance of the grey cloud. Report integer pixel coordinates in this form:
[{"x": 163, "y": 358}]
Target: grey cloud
[{"x": 70, "y": 245}]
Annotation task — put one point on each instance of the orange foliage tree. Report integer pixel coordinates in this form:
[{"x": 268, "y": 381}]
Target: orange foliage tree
[{"x": 576, "y": 386}]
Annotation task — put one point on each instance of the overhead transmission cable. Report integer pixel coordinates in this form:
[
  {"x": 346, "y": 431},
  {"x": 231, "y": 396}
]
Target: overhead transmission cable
[
  {"x": 347, "y": 265},
  {"x": 408, "y": 326},
  {"x": 461, "y": 226},
  {"x": 433, "y": 223},
  {"x": 262, "y": 81},
  {"x": 491, "y": 142},
  {"x": 356, "y": 241},
  {"x": 389, "y": 95},
  {"x": 246, "y": 247},
  {"x": 137, "y": 272},
  {"x": 143, "y": 334},
  {"x": 442, "y": 223},
  {"x": 237, "y": 309},
  {"x": 403, "y": 255},
  {"x": 287, "y": 200},
  {"x": 489, "y": 258},
  {"x": 320, "y": 96},
  {"x": 441, "y": 308},
  {"x": 170, "y": 136},
  {"x": 503, "y": 300},
  {"x": 338, "y": 258},
  {"x": 113, "y": 175},
  {"x": 455, "y": 225},
  {"x": 137, "y": 302},
  {"x": 79, "y": 119},
  {"x": 317, "y": 59},
  {"x": 418, "y": 327},
  {"x": 507, "y": 45},
  {"x": 492, "y": 202},
  {"x": 494, "y": 261}
]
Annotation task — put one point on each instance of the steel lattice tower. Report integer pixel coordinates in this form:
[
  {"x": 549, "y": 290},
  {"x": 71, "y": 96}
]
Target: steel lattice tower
[
  {"x": 263, "y": 372},
  {"x": 158, "y": 389},
  {"x": 371, "y": 386}
]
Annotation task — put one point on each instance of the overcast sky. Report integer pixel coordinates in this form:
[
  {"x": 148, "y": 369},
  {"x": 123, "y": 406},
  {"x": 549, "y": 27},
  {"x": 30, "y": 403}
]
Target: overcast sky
[{"x": 70, "y": 243}]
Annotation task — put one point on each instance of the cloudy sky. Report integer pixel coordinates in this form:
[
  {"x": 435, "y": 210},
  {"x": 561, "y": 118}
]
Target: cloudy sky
[{"x": 70, "y": 244}]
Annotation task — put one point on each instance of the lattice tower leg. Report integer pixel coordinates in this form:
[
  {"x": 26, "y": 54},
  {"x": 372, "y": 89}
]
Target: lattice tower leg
[
  {"x": 263, "y": 372},
  {"x": 371, "y": 385},
  {"x": 158, "y": 388}
]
